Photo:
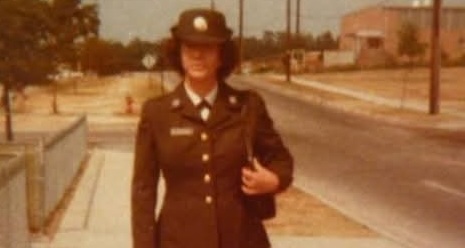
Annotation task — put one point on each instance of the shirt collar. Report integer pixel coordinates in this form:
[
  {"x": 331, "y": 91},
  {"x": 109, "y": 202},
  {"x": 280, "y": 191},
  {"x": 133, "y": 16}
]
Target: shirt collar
[{"x": 210, "y": 97}]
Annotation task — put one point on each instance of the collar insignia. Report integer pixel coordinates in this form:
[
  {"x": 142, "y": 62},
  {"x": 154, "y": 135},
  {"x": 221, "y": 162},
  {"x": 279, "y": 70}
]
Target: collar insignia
[
  {"x": 176, "y": 103},
  {"x": 232, "y": 100}
]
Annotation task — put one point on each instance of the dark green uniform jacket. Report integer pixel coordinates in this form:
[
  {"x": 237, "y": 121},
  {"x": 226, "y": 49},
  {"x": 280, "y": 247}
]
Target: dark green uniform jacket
[{"x": 201, "y": 163}]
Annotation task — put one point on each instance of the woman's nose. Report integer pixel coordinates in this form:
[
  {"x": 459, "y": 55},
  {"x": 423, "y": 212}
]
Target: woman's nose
[{"x": 196, "y": 53}]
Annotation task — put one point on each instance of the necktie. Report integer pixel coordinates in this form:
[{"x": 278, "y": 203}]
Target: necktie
[{"x": 204, "y": 108}]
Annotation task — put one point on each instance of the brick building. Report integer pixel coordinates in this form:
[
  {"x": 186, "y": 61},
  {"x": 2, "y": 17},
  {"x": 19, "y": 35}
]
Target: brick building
[{"x": 372, "y": 32}]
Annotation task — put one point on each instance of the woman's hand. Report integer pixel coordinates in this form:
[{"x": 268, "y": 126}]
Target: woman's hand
[{"x": 258, "y": 180}]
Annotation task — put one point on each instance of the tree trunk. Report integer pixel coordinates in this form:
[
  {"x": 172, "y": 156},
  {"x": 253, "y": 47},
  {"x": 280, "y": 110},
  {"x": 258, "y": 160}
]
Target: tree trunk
[
  {"x": 6, "y": 103},
  {"x": 55, "y": 100}
]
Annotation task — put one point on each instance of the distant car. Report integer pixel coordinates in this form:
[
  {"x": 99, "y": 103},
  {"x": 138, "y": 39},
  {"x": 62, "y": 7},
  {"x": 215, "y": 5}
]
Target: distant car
[{"x": 66, "y": 74}]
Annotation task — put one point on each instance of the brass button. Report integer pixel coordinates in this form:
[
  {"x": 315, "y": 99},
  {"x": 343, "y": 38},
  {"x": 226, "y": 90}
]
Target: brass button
[
  {"x": 208, "y": 199},
  {"x": 204, "y": 136},
  {"x": 205, "y": 157},
  {"x": 207, "y": 178}
]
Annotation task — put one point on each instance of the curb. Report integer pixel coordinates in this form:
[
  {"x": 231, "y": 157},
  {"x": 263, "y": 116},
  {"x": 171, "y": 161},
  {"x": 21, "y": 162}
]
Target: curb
[
  {"x": 321, "y": 101},
  {"x": 77, "y": 214},
  {"x": 330, "y": 242}
]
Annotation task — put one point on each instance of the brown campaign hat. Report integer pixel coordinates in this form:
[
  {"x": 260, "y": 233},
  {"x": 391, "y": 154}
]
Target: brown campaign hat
[{"x": 201, "y": 26}]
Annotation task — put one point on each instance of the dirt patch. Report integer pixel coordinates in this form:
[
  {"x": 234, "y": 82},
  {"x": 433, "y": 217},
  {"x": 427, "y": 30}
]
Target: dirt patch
[
  {"x": 302, "y": 214},
  {"x": 410, "y": 84}
]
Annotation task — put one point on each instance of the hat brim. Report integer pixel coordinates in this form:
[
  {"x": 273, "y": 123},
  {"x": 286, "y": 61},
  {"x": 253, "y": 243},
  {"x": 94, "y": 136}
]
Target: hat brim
[{"x": 201, "y": 38}]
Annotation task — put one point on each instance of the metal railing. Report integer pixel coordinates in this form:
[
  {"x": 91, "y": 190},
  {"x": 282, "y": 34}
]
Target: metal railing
[{"x": 13, "y": 210}]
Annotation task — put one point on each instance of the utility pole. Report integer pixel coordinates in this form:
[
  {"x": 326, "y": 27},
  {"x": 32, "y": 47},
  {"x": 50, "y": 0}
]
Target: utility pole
[
  {"x": 297, "y": 19},
  {"x": 288, "y": 42},
  {"x": 212, "y": 4},
  {"x": 241, "y": 34},
  {"x": 435, "y": 58}
]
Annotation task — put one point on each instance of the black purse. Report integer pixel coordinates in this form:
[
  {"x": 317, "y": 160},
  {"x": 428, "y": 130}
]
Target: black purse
[{"x": 262, "y": 206}]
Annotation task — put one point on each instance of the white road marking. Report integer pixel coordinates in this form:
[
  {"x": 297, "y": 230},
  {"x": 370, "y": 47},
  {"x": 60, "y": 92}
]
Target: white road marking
[{"x": 438, "y": 186}]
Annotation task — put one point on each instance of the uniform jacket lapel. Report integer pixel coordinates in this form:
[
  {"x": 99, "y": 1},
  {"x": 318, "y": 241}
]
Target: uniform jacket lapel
[
  {"x": 182, "y": 102},
  {"x": 225, "y": 107}
]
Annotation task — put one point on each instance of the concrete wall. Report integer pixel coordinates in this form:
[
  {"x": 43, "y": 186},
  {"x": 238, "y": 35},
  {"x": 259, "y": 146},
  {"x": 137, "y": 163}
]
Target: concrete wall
[
  {"x": 52, "y": 163},
  {"x": 62, "y": 156},
  {"x": 338, "y": 58},
  {"x": 13, "y": 211}
]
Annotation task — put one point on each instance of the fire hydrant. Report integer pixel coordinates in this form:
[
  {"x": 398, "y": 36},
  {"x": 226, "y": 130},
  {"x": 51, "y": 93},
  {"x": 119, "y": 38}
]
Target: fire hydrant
[{"x": 129, "y": 104}]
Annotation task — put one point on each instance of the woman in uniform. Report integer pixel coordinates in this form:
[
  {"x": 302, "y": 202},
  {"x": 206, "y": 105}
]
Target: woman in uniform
[{"x": 220, "y": 156}]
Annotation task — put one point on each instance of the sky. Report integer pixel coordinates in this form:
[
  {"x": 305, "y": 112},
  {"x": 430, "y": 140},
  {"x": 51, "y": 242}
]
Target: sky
[{"x": 124, "y": 20}]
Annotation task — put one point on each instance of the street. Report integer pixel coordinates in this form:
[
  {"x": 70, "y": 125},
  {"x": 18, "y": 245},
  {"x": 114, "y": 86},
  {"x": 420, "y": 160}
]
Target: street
[{"x": 404, "y": 183}]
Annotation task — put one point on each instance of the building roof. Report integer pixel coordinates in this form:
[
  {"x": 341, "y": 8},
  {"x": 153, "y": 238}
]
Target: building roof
[
  {"x": 401, "y": 6},
  {"x": 418, "y": 4},
  {"x": 422, "y": 3}
]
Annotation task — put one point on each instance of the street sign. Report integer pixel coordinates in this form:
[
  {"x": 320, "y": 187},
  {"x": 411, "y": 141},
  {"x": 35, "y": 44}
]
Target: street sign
[{"x": 149, "y": 61}]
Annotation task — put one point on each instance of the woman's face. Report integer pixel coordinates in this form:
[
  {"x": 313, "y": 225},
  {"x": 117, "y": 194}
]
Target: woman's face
[{"x": 200, "y": 61}]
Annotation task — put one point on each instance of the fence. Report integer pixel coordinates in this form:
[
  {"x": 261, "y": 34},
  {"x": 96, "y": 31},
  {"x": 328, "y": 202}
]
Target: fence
[
  {"x": 52, "y": 163},
  {"x": 13, "y": 210}
]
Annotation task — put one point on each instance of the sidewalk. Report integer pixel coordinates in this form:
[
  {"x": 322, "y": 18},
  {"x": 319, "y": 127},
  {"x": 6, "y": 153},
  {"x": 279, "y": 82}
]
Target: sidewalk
[{"x": 99, "y": 213}]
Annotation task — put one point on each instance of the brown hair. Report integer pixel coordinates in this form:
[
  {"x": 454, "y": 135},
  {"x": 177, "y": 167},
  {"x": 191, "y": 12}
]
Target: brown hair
[{"x": 228, "y": 56}]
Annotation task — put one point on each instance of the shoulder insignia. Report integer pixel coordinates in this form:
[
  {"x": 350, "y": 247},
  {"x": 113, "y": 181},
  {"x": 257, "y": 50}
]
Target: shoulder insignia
[
  {"x": 175, "y": 103},
  {"x": 232, "y": 100}
]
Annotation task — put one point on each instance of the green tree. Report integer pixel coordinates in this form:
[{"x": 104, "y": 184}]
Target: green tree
[
  {"x": 137, "y": 49},
  {"x": 24, "y": 27},
  {"x": 325, "y": 41},
  {"x": 304, "y": 41},
  {"x": 36, "y": 37},
  {"x": 73, "y": 23},
  {"x": 104, "y": 57},
  {"x": 251, "y": 48},
  {"x": 409, "y": 44}
]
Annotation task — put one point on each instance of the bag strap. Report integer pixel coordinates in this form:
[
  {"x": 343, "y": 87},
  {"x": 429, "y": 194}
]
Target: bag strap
[{"x": 249, "y": 121}]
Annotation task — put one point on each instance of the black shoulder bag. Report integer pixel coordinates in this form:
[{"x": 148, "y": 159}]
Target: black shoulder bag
[{"x": 262, "y": 206}]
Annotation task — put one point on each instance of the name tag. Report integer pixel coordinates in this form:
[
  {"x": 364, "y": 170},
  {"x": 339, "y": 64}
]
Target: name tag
[{"x": 181, "y": 131}]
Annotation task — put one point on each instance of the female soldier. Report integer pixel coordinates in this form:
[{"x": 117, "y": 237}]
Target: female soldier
[{"x": 201, "y": 136}]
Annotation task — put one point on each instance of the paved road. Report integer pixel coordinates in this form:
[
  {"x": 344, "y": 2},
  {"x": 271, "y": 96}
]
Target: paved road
[{"x": 405, "y": 183}]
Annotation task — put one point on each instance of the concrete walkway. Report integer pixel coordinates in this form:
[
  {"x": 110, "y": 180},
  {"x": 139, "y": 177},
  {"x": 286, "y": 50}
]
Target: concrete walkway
[{"x": 99, "y": 213}]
